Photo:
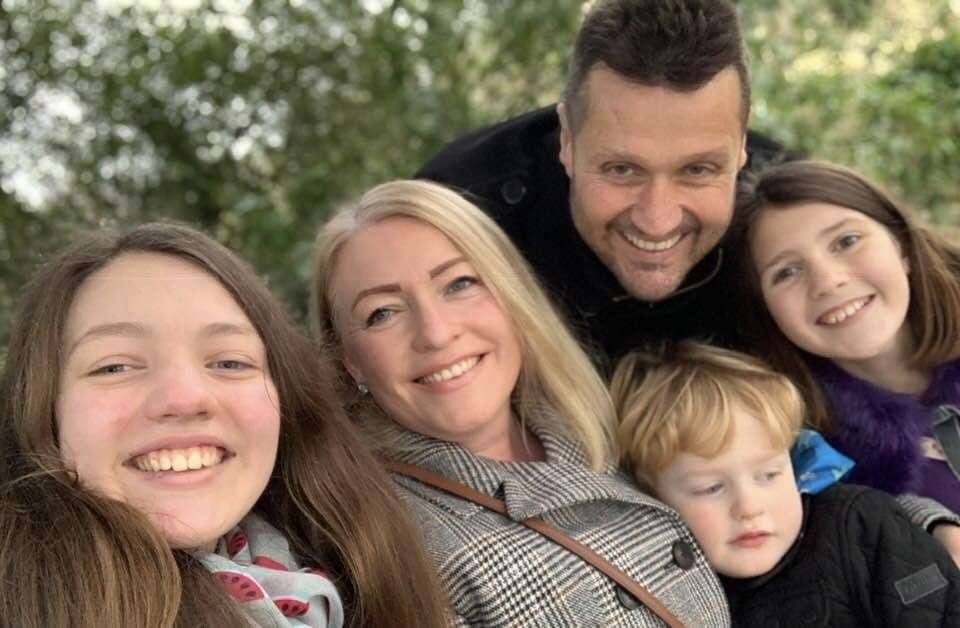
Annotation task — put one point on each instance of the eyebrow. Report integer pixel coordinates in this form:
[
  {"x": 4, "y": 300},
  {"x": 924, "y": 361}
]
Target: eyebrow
[
  {"x": 837, "y": 226},
  {"x": 435, "y": 272},
  {"x": 124, "y": 329},
  {"x": 136, "y": 330}
]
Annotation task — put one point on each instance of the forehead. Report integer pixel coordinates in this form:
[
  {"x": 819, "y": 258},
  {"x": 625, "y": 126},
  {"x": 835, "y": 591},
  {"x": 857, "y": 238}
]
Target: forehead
[
  {"x": 751, "y": 443},
  {"x": 619, "y": 109},
  {"x": 394, "y": 250},
  {"x": 783, "y": 227},
  {"x": 145, "y": 287}
]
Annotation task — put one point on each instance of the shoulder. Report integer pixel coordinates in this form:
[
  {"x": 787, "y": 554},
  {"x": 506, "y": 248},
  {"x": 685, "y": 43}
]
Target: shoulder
[
  {"x": 505, "y": 167},
  {"x": 491, "y": 150}
]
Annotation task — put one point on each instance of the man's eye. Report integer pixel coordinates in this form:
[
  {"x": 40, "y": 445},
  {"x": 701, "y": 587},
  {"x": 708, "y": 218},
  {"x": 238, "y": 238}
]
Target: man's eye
[
  {"x": 621, "y": 170},
  {"x": 699, "y": 170}
]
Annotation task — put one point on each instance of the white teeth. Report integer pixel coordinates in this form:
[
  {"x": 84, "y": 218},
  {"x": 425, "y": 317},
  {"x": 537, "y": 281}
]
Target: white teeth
[
  {"x": 450, "y": 372},
  {"x": 189, "y": 459},
  {"x": 842, "y": 313},
  {"x": 648, "y": 245}
]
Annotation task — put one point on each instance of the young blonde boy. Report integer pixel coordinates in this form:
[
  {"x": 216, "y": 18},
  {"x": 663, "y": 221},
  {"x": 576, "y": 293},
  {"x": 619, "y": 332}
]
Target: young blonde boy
[{"x": 709, "y": 432}]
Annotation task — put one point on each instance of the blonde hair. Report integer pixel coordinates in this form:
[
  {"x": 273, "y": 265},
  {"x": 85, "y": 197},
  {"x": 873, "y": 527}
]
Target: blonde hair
[
  {"x": 685, "y": 400},
  {"x": 558, "y": 384}
]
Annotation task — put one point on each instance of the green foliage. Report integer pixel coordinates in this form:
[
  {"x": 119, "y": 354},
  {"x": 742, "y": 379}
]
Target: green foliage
[{"x": 255, "y": 119}]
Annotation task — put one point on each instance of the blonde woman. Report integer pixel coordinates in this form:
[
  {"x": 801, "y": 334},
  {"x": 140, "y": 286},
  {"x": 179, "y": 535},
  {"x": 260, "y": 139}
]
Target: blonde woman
[{"x": 460, "y": 367}]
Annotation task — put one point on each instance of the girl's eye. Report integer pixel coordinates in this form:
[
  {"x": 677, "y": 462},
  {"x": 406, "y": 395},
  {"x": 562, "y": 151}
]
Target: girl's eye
[
  {"x": 847, "y": 240},
  {"x": 462, "y": 283},
  {"x": 378, "y": 316},
  {"x": 782, "y": 274},
  {"x": 231, "y": 365},
  {"x": 111, "y": 369}
]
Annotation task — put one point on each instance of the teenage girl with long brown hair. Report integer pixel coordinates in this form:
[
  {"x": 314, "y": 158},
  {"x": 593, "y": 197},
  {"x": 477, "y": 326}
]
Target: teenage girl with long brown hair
[{"x": 173, "y": 452}]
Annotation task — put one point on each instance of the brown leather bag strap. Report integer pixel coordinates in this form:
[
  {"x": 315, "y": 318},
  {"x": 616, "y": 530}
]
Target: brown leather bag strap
[{"x": 539, "y": 525}]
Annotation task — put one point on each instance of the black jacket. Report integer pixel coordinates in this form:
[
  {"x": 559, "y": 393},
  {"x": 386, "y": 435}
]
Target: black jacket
[
  {"x": 512, "y": 170},
  {"x": 858, "y": 562}
]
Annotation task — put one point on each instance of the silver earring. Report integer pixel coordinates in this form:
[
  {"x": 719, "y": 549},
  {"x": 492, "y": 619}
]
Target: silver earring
[{"x": 362, "y": 388}]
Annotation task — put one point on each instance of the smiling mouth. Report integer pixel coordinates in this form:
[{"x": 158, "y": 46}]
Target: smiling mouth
[
  {"x": 179, "y": 460},
  {"x": 839, "y": 314},
  {"x": 652, "y": 246},
  {"x": 451, "y": 372}
]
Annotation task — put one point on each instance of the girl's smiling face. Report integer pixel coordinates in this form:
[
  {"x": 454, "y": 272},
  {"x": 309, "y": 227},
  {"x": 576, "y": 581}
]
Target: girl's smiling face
[
  {"x": 835, "y": 281},
  {"x": 164, "y": 400}
]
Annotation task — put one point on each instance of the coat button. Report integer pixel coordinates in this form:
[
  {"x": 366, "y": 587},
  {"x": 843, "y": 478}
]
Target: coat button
[
  {"x": 626, "y": 599},
  {"x": 513, "y": 191},
  {"x": 683, "y": 555}
]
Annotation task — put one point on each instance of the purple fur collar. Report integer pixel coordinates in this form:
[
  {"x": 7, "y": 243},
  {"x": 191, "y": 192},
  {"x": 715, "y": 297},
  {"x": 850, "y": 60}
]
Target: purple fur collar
[{"x": 881, "y": 430}]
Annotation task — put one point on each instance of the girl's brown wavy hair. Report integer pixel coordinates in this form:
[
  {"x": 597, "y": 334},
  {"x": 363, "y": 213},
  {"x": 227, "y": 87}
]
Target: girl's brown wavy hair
[{"x": 72, "y": 557}]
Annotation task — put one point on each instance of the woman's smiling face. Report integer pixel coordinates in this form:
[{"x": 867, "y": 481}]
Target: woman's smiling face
[
  {"x": 835, "y": 281},
  {"x": 165, "y": 401},
  {"x": 421, "y": 329}
]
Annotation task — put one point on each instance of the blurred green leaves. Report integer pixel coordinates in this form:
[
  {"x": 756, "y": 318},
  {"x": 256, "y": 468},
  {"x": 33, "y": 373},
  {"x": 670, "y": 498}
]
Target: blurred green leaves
[{"x": 254, "y": 119}]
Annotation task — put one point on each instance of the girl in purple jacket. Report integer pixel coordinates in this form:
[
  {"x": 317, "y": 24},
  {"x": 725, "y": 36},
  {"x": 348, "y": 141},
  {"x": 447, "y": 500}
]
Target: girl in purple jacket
[{"x": 863, "y": 312}]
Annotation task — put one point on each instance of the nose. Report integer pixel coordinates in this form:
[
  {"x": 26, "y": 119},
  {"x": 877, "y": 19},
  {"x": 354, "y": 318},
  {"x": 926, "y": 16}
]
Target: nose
[
  {"x": 180, "y": 392},
  {"x": 436, "y": 327},
  {"x": 747, "y": 505},
  {"x": 657, "y": 212},
  {"x": 825, "y": 277}
]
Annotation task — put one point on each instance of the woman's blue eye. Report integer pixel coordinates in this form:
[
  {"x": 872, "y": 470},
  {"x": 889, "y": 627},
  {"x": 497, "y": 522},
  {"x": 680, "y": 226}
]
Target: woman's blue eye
[
  {"x": 462, "y": 283},
  {"x": 379, "y": 315}
]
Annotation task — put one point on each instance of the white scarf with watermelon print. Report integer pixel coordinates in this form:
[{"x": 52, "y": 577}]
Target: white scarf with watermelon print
[{"x": 254, "y": 564}]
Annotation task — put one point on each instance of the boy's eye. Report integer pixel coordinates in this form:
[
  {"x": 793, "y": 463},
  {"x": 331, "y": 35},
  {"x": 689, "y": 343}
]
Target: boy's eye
[
  {"x": 713, "y": 489},
  {"x": 771, "y": 475}
]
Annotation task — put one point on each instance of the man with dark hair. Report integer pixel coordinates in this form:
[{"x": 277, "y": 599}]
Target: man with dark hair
[{"x": 621, "y": 195}]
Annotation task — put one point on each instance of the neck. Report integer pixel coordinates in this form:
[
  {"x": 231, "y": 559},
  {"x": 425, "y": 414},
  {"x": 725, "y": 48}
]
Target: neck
[
  {"x": 517, "y": 445},
  {"x": 891, "y": 370}
]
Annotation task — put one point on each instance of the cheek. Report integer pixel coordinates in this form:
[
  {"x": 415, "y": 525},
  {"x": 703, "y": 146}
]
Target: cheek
[{"x": 704, "y": 521}]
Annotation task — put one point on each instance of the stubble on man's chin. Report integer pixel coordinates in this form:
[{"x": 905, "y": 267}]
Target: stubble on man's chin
[{"x": 649, "y": 282}]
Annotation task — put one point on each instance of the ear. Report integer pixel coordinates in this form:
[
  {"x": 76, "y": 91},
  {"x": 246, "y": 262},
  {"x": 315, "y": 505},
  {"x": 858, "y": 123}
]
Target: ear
[
  {"x": 906, "y": 264},
  {"x": 743, "y": 152},
  {"x": 566, "y": 139},
  {"x": 353, "y": 370}
]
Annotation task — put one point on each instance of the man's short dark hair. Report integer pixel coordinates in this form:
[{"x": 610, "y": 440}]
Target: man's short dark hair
[{"x": 678, "y": 44}]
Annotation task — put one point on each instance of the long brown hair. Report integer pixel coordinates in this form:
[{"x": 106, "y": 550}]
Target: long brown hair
[
  {"x": 69, "y": 556},
  {"x": 934, "y": 311}
]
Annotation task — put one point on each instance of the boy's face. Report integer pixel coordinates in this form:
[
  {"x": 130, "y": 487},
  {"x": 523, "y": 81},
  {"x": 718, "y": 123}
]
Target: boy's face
[{"x": 742, "y": 505}]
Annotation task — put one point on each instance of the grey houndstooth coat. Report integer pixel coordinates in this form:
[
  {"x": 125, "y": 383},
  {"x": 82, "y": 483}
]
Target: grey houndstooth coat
[{"x": 500, "y": 573}]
